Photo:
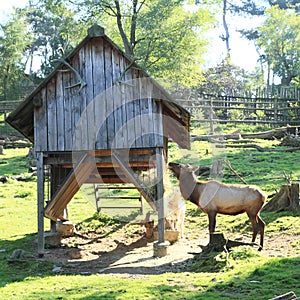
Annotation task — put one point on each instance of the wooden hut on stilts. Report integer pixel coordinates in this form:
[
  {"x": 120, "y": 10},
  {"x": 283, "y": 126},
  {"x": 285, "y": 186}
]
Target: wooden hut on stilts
[{"x": 98, "y": 118}]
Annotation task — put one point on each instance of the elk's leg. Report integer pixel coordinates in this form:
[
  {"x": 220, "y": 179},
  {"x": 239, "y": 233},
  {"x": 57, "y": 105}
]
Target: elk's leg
[
  {"x": 212, "y": 221},
  {"x": 254, "y": 223},
  {"x": 261, "y": 225}
]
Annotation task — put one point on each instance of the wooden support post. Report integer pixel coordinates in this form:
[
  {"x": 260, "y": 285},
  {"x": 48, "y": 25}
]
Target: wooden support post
[
  {"x": 160, "y": 195},
  {"x": 40, "y": 203},
  {"x": 52, "y": 226}
]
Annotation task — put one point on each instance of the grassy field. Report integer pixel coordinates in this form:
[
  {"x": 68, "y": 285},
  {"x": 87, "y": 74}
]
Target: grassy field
[{"x": 250, "y": 274}]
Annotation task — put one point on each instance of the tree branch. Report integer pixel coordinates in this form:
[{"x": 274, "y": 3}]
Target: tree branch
[
  {"x": 126, "y": 43},
  {"x": 227, "y": 162}
]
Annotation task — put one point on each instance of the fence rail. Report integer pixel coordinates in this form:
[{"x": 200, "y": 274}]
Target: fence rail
[
  {"x": 274, "y": 111},
  {"x": 7, "y": 107}
]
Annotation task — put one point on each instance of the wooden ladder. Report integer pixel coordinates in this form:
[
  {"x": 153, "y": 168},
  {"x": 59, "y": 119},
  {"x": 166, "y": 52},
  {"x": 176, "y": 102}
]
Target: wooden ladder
[{"x": 98, "y": 187}]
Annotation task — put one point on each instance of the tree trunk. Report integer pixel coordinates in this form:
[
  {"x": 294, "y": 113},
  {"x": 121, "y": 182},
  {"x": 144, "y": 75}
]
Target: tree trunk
[
  {"x": 286, "y": 199},
  {"x": 126, "y": 42},
  {"x": 226, "y": 36}
]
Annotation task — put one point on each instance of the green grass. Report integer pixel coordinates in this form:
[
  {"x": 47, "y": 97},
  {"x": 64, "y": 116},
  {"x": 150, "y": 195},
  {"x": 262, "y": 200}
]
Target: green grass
[
  {"x": 245, "y": 273},
  {"x": 255, "y": 277}
]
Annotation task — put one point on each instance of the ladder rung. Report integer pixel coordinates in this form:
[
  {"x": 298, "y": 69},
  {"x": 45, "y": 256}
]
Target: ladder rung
[
  {"x": 118, "y": 197},
  {"x": 120, "y": 207},
  {"x": 115, "y": 188}
]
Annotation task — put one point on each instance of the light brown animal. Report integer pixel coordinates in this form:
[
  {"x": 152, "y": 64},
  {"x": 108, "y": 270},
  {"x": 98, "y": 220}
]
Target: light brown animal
[
  {"x": 214, "y": 197},
  {"x": 175, "y": 211}
]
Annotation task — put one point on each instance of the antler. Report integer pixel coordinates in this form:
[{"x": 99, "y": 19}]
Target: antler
[{"x": 80, "y": 82}]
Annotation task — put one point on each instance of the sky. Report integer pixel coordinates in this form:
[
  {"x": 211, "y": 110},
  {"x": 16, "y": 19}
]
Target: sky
[
  {"x": 6, "y": 7},
  {"x": 243, "y": 53}
]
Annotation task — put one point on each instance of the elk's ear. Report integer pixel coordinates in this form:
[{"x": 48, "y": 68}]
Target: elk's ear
[{"x": 195, "y": 169}]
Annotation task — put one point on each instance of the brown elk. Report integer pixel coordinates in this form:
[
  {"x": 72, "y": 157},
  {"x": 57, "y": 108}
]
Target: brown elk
[{"x": 214, "y": 197}]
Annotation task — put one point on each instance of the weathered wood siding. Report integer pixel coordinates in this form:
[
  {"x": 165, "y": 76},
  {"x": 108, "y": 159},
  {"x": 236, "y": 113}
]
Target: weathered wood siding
[{"x": 115, "y": 109}]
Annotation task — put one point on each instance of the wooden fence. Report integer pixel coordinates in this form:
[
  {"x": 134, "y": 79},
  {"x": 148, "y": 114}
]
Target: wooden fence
[
  {"x": 6, "y": 107},
  {"x": 275, "y": 111}
]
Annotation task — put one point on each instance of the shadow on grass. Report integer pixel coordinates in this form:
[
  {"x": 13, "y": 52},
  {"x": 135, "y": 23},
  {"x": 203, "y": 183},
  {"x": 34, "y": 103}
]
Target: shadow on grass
[
  {"x": 276, "y": 277},
  {"x": 14, "y": 269},
  {"x": 13, "y": 165},
  {"x": 270, "y": 217}
]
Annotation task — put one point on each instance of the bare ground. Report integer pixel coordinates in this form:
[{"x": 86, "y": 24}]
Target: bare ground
[{"x": 128, "y": 251}]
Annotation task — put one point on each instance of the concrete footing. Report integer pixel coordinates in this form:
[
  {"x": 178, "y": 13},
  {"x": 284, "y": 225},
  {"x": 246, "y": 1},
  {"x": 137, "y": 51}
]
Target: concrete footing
[
  {"x": 52, "y": 239},
  {"x": 160, "y": 249}
]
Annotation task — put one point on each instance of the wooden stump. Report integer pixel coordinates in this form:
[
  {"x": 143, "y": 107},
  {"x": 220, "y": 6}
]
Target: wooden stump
[{"x": 286, "y": 199}]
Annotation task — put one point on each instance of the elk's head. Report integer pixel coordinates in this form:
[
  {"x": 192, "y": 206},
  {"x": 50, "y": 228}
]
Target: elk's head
[{"x": 181, "y": 170}]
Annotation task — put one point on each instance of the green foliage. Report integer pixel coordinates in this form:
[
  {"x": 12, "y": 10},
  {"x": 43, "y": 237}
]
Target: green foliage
[
  {"x": 15, "y": 41},
  {"x": 166, "y": 39},
  {"x": 279, "y": 37},
  {"x": 225, "y": 79},
  {"x": 56, "y": 32},
  {"x": 175, "y": 40}
]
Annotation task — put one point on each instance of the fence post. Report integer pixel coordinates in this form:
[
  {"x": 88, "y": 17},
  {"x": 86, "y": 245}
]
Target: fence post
[
  {"x": 276, "y": 112},
  {"x": 211, "y": 116}
]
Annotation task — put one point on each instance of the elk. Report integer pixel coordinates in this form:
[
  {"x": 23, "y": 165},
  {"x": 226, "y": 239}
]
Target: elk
[{"x": 214, "y": 197}]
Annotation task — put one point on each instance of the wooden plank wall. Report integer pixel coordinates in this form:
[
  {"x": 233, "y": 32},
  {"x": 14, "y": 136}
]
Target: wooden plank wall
[{"x": 111, "y": 111}]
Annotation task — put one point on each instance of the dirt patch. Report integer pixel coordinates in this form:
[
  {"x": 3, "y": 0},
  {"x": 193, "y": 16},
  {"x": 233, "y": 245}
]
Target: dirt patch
[{"x": 128, "y": 251}]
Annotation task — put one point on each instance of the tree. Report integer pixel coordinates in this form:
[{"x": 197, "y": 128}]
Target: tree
[
  {"x": 161, "y": 35},
  {"x": 279, "y": 37},
  {"x": 56, "y": 31},
  {"x": 225, "y": 79},
  {"x": 15, "y": 40}
]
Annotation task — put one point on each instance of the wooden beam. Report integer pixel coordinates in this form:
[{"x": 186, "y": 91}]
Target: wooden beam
[
  {"x": 56, "y": 158},
  {"x": 133, "y": 164},
  {"x": 160, "y": 195},
  {"x": 73, "y": 182},
  {"x": 40, "y": 203},
  {"x": 112, "y": 180},
  {"x": 133, "y": 179}
]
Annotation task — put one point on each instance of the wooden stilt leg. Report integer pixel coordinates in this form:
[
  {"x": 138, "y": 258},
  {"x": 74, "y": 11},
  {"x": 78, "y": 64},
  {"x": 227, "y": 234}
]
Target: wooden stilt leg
[{"x": 40, "y": 203}]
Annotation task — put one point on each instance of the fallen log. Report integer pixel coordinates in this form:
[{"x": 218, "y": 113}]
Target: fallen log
[
  {"x": 259, "y": 148},
  {"x": 269, "y": 135},
  {"x": 210, "y": 137},
  {"x": 277, "y": 133}
]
